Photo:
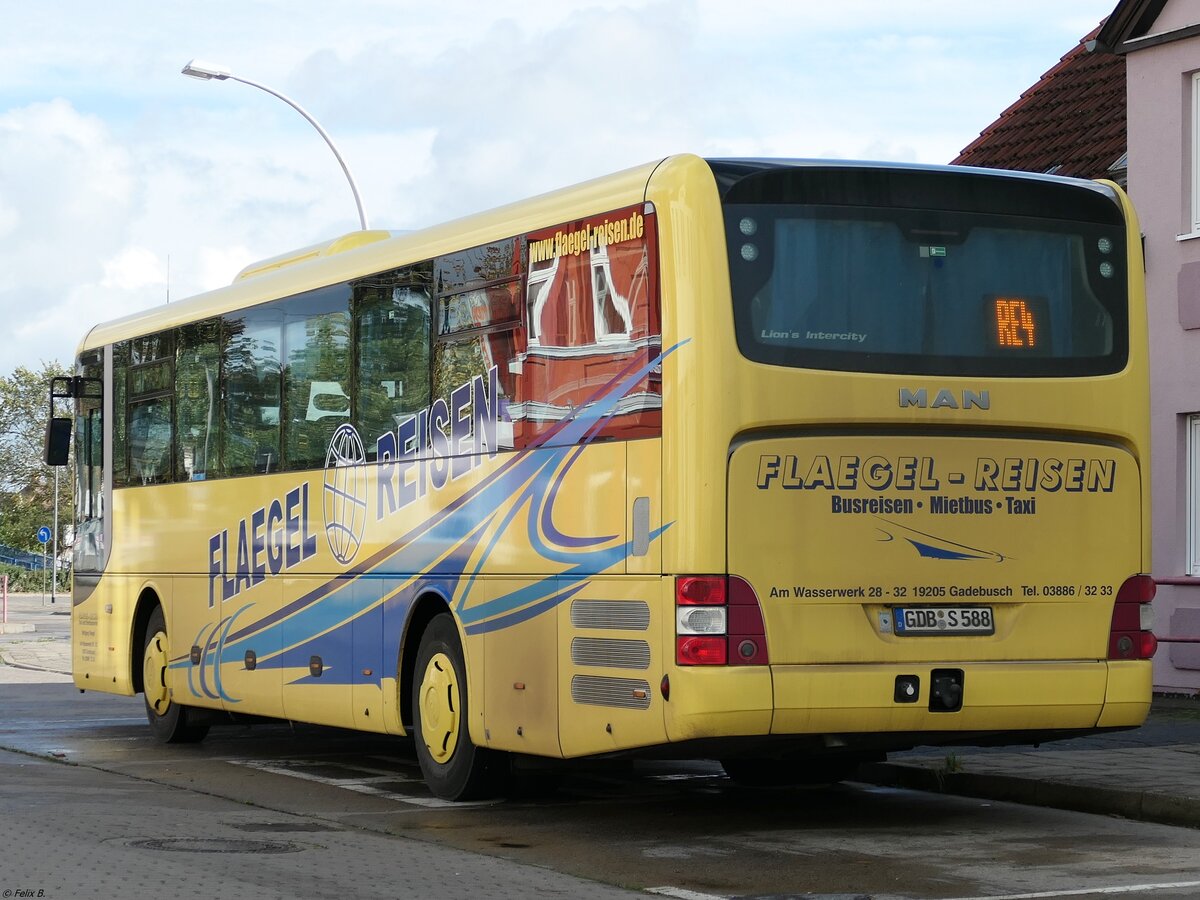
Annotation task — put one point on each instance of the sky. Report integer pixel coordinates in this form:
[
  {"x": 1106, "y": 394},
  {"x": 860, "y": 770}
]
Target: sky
[{"x": 125, "y": 184}]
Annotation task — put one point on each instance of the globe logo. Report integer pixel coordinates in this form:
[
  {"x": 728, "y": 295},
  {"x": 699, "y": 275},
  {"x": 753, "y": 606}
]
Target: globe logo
[{"x": 345, "y": 494}]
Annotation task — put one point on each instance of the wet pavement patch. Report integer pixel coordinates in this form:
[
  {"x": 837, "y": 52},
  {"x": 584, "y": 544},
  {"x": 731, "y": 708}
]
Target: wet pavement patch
[
  {"x": 215, "y": 845},
  {"x": 284, "y": 827}
]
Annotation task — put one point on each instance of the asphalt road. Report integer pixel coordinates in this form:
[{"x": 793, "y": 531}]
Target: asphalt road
[{"x": 89, "y": 803}]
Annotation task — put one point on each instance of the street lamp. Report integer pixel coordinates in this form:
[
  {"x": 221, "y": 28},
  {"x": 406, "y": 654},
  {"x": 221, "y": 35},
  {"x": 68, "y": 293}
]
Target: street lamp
[
  {"x": 209, "y": 71},
  {"x": 54, "y": 562}
]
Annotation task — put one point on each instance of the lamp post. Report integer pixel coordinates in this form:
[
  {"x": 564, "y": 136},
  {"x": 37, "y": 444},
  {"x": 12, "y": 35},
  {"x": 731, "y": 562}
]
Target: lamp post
[
  {"x": 209, "y": 72},
  {"x": 54, "y": 560}
]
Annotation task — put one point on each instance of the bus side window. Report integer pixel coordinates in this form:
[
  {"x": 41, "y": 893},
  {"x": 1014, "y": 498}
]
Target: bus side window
[
  {"x": 120, "y": 455},
  {"x": 150, "y": 419},
  {"x": 479, "y": 305},
  {"x": 90, "y": 506},
  {"x": 150, "y": 441},
  {"x": 464, "y": 364},
  {"x": 196, "y": 400},
  {"x": 89, "y": 463},
  {"x": 316, "y": 374},
  {"x": 593, "y": 315},
  {"x": 391, "y": 327},
  {"x": 250, "y": 434}
]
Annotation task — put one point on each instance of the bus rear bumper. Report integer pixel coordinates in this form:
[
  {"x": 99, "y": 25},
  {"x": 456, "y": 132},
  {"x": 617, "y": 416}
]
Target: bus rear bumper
[
  {"x": 1127, "y": 700},
  {"x": 1018, "y": 696},
  {"x": 998, "y": 697}
]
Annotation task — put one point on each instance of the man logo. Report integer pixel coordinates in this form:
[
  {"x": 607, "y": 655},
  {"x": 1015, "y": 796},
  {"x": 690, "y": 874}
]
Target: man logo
[
  {"x": 945, "y": 399},
  {"x": 345, "y": 494}
]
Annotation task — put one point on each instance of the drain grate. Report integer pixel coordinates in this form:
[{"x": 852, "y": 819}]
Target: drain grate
[{"x": 216, "y": 845}]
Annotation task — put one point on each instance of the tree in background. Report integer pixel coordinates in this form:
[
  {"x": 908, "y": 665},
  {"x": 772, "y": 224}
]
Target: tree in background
[{"x": 26, "y": 482}]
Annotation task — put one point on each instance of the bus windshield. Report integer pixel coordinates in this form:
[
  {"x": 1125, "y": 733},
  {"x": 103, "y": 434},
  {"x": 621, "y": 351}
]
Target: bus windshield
[{"x": 927, "y": 291}]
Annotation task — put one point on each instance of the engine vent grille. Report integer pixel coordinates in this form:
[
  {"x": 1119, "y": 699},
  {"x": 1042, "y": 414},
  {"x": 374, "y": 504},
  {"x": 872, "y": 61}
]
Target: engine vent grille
[
  {"x": 625, "y": 615},
  {"x": 611, "y": 653},
  {"x": 595, "y": 690}
]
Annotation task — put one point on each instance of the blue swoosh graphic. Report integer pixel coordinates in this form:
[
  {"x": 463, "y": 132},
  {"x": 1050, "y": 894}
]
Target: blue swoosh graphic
[
  {"x": 436, "y": 555},
  {"x": 931, "y": 546}
]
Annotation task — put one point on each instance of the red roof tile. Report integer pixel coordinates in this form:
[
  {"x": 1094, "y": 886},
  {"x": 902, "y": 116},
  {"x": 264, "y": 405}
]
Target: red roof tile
[{"x": 1072, "y": 119}]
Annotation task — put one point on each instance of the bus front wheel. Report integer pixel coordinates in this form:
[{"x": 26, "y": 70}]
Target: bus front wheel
[
  {"x": 453, "y": 767},
  {"x": 169, "y": 722}
]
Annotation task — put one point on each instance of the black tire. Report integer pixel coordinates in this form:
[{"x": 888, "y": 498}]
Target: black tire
[
  {"x": 453, "y": 767},
  {"x": 170, "y": 722},
  {"x": 788, "y": 772}
]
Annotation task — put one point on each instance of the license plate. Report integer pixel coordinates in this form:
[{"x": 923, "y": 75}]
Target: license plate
[{"x": 920, "y": 620}]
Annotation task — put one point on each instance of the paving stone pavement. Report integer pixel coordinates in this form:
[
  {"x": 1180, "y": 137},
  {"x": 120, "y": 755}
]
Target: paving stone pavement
[
  {"x": 35, "y": 639},
  {"x": 1150, "y": 773}
]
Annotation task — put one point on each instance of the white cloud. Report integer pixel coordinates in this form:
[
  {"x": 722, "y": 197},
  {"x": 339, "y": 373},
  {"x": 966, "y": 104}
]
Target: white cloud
[
  {"x": 70, "y": 194},
  {"x": 9, "y": 219},
  {"x": 219, "y": 265},
  {"x": 116, "y": 167},
  {"x": 64, "y": 174},
  {"x": 133, "y": 268}
]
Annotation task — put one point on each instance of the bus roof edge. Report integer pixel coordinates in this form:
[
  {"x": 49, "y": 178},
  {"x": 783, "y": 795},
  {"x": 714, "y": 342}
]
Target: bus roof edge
[{"x": 351, "y": 241}]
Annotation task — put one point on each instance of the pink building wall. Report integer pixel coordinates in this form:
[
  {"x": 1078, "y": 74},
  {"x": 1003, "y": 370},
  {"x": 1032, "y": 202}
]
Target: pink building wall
[{"x": 1160, "y": 153}]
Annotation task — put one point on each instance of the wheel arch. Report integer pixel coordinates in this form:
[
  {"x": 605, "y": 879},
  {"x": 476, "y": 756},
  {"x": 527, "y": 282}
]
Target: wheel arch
[
  {"x": 425, "y": 608},
  {"x": 147, "y": 602}
]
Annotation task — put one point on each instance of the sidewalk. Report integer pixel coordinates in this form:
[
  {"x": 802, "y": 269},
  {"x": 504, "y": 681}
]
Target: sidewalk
[
  {"x": 1151, "y": 773},
  {"x": 37, "y": 638}
]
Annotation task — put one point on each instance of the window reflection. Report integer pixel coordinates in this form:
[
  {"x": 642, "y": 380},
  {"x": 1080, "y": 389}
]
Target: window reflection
[
  {"x": 317, "y": 375},
  {"x": 197, "y": 380},
  {"x": 593, "y": 315},
  {"x": 391, "y": 313},
  {"x": 250, "y": 363},
  {"x": 150, "y": 441},
  {"x": 466, "y": 340}
]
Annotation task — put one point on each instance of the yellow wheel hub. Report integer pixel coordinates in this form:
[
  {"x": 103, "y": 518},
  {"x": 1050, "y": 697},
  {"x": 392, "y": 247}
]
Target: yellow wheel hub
[
  {"x": 154, "y": 674},
  {"x": 440, "y": 708}
]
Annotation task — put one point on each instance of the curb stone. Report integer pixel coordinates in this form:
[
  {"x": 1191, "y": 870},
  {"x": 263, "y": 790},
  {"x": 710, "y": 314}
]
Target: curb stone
[{"x": 1147, "y": 806}]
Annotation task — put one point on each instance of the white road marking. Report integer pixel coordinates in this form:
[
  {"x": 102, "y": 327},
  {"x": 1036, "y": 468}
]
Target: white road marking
[
  {"x": 361, "y": 780},
  {"x": 1085, "y": 892},
  {"x": 683, "y": 893}
]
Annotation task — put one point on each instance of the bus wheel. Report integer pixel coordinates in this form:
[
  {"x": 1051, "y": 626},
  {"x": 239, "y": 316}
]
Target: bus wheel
[
  {"x": 169, "y": 722},
  {"x": 454, "y": 768}
]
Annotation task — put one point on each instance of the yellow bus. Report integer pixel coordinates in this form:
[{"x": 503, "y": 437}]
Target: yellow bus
[{"x": 786, "y": 464}]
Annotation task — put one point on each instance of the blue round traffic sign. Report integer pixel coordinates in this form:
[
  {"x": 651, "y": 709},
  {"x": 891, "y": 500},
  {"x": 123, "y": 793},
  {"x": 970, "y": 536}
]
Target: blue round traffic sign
[{"x": 43, "y": 534}]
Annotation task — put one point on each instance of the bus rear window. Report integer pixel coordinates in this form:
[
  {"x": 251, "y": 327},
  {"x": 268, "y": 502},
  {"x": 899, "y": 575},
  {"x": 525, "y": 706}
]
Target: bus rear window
[{"x": 927, "y": 291}]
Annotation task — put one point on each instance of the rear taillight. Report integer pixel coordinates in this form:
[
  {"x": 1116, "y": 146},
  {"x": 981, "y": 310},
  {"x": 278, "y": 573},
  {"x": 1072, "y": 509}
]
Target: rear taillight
[
  {"x": 691, "y": 650},
  {"x": 718, "y": 622},
  {"x": 700, "y": 590},
  {"x": 1131, "y": 635}
]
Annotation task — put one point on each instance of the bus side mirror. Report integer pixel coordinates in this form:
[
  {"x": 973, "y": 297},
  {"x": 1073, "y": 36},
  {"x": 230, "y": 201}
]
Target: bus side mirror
[{"x": 58, "y": 441}]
